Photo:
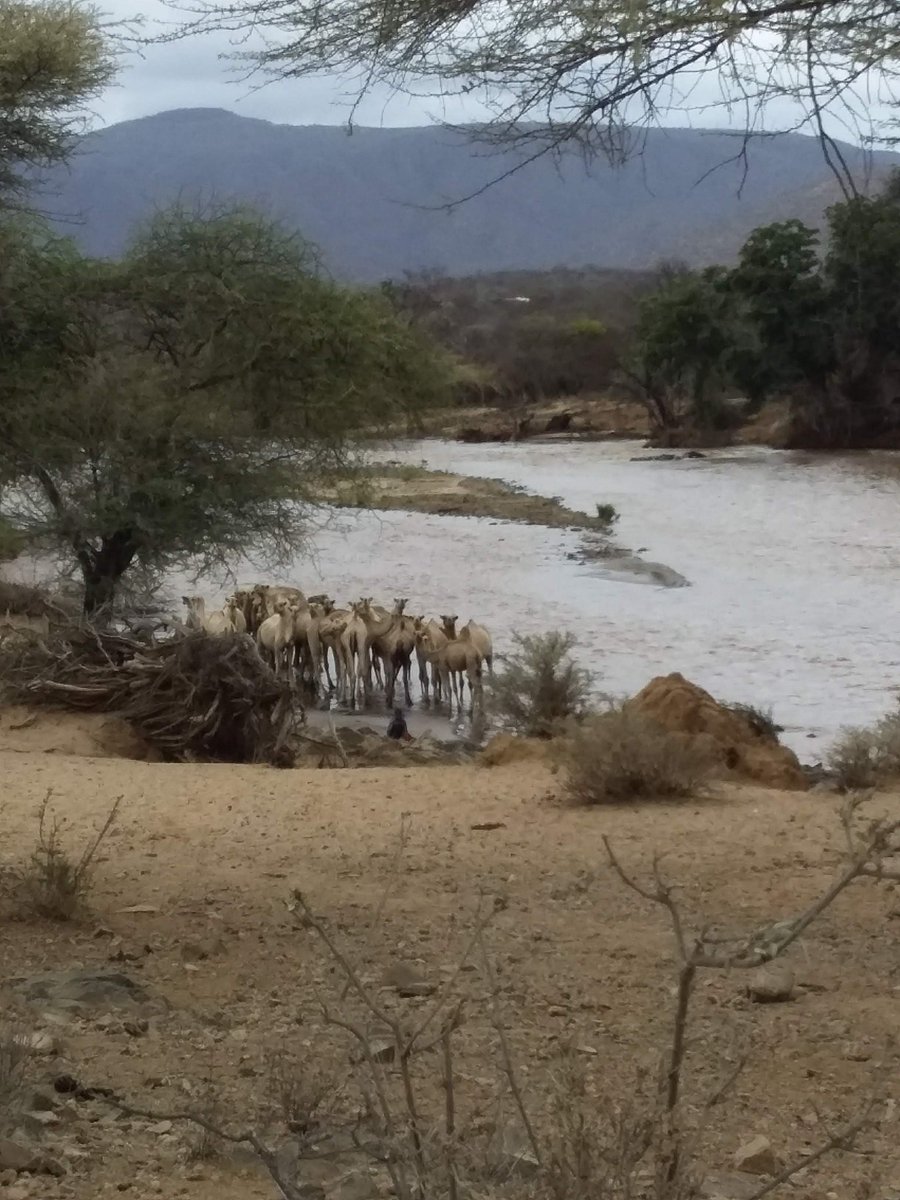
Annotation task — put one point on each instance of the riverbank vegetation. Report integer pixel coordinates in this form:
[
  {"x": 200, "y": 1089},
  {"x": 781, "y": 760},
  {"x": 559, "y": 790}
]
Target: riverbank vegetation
[{"x": 802, "y": 328}]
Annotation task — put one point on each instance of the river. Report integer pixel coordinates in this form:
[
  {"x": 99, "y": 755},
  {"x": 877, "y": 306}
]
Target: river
[{"x": 793, "y": 562}]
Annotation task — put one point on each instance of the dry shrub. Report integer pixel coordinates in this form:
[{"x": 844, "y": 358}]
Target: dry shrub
[
  {"x": 540, "y": 686},
  {"x": 54, "y": 884},
  {"x": 865, "y": 757},
  {"x": 624, "y": 756},
  {"x": 15, "y": 1056},
  {"x": 760, "y": 720}
]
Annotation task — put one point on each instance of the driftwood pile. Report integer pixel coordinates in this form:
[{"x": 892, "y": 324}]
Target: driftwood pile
[{"x": 195, "y": 698}]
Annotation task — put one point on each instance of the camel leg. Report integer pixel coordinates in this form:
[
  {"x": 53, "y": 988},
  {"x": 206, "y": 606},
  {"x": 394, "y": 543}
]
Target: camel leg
[
  {"x": 423, "y": 676},
  {"x": 407, "y": 673}
]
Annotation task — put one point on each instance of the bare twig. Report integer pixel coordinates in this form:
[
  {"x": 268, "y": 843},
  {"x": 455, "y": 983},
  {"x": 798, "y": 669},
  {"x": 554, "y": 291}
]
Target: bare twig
[{"x": 505, "y": 1051}]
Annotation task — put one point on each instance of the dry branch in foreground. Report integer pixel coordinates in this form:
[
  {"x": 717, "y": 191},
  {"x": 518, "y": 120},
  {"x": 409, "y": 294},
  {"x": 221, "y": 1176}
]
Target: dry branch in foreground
[{"x": 192, "y": 698}]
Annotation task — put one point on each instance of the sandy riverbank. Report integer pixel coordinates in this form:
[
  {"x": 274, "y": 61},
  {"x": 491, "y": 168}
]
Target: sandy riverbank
[{"x": 210, "y": 854}]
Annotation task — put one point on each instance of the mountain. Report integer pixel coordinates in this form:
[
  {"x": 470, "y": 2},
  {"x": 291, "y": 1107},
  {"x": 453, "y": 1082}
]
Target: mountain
[{"x": 373, "y": 199}]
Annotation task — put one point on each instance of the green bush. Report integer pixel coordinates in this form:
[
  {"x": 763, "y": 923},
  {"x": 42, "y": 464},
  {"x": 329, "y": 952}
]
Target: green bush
[{"x": 540, "y": 686}]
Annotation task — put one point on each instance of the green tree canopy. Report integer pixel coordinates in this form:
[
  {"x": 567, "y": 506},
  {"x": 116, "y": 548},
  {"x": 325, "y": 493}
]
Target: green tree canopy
[
  {"x": 54, "y": 58},
  {"x": 823, "y": 331},
  {"x": 191, "y": 401}
]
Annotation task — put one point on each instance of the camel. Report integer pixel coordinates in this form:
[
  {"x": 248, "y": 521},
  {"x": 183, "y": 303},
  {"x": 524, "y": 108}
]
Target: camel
[
  {"x": 481, "y": 640},
  {"x": 198, "y": 618},
  {"x": 308, "y": 620},
  {"x": 355, "y": 652},
  {"x": 274, "y": 638},
  {"x": 234, "y": 610},
  {"x": 392, "y": 638},
  {"x": 448, "y": 625},
  {"x": 457, "y": 658},
  {"x": 430, "y": 640},
  {"x": 331, "y": 626}
]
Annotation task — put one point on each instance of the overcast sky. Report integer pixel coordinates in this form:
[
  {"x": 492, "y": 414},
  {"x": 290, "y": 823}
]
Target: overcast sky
[{"x": 195, "y": 73}]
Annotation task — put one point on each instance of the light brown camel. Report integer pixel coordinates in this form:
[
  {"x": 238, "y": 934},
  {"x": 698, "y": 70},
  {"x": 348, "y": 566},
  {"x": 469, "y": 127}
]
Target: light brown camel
[
  {"x": 430, "y": 640},
  {"x": 392, "y": 639},
  {"x": 456, "y": 660},
  {"x": 274, "y": 638},
  {"x": 481, "y": 640},
  {"x": 355, "y": 653}
]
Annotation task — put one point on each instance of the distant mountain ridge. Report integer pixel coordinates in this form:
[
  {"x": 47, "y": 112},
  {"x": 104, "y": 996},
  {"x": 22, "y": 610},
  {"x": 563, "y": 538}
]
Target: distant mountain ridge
[{"x": 372, "y": 200}]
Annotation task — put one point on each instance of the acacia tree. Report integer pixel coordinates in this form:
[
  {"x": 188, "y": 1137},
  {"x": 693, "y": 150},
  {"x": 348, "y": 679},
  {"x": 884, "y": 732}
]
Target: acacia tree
[
  {"x": 586, "y": 72},
  {"x": 54, "y": 58},
  {"x": 191, "y": 401}
]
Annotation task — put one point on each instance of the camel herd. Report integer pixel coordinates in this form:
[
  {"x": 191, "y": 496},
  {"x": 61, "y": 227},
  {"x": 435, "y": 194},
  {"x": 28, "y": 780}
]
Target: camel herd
[{"x": 355, "y": 649}]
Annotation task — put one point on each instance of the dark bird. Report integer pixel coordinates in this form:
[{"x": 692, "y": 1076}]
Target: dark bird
[{"x": 397, "y": 728}]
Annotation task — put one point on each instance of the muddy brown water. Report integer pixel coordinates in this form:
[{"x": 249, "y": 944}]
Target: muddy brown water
[{"x": 793, "y": 562}]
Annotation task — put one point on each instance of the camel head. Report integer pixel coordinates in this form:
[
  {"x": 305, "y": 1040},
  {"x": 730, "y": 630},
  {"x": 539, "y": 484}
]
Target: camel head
[
  {"x": 399, "y": 606},
  {"x": 193, "y": 603},
  {"x": 449, "y": 625}
]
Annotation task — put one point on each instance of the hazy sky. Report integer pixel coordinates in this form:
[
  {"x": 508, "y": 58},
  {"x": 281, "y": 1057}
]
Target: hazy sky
[{"x": 195, "y": 73}]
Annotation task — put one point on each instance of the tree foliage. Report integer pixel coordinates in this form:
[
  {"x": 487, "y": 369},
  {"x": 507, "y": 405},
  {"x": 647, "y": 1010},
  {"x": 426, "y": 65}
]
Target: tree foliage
[
  {"x": 189, "y": 401},
  {"x": 54, "y": 58},
  {"x": 787, "y": 321},
  {"x": 588, "y": 73}
]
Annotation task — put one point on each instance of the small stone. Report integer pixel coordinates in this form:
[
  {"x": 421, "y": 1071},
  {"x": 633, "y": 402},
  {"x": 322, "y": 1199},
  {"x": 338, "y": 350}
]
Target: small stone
[
  {"x": 136, "y": 1028},
  {"x": 193, "y": 952},
  {"x": 556, "y": 1010},
  {"x": 857, "y": 1053},
  {"x": 407, "y": 981},
  {"x": 14, "y": 1156},
  {"x": 160, "y": 1128},
  {"x": 381, "y": 1050},
  {"x": 44, "y": 1043},
  {"x": 729, "y": 1185},
  {"x": 41, "y": 1101},
  {"x": 7, "y": 1177},
  {"x": 757, "y": 1157},
  {"x": 772, "y": 983}
]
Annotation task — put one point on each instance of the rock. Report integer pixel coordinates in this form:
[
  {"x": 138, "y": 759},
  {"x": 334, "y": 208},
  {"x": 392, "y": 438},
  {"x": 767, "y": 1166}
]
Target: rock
[
  {"x": 40, "y": 1100},
  {"x": 194, "y": 951},
  {"x": 729, "y": 1185},
  {"x": 136, "y": 1028},
  {"x": 513, "y": 1154},
  {"x": 772, "y": 983},
  {"x": 44, "y": 1043},
  {"x": 757, "y": 1157},
  {"x": 14, "y": 1156},
  {"x": 407, "y": 981},
  {"x": 84, "y": 989},
  {"x": 382, "y": 1049},
  {"x": 681, "y": 707},
  {"x": 7, "y": 1177}
]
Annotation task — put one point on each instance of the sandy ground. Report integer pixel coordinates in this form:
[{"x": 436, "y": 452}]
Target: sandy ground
[{"x": 213, "y": 852}]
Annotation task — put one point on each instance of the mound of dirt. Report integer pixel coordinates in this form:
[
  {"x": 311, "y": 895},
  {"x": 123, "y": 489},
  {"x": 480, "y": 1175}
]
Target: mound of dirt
[{"x": 681, "y": 707}]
